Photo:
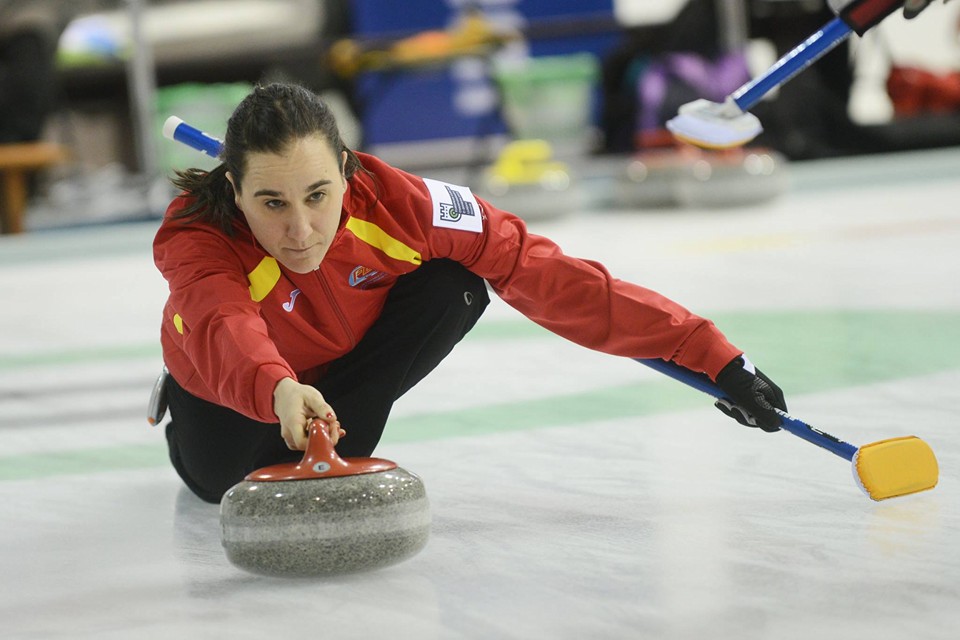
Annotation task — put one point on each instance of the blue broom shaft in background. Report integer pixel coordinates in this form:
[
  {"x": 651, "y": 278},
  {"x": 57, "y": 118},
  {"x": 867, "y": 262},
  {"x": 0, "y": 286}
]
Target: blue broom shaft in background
[
  {"x": 177, "y": 129},
  {"x": 801, "y": 57}
]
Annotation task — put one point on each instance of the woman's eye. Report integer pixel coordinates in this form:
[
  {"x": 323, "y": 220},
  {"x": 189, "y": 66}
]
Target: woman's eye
[
  {"x": 316, "y": 196},
  {"x": 273, "y": 204}
]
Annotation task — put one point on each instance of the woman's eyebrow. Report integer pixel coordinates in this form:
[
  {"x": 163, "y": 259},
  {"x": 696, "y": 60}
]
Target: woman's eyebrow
[
  {"x": 316, "y": 185},
  {"x": 273, "y": 193}
]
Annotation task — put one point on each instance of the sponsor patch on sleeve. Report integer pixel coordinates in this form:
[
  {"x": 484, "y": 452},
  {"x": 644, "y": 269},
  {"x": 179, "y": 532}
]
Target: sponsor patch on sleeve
[{"x": 454, "y": 207}]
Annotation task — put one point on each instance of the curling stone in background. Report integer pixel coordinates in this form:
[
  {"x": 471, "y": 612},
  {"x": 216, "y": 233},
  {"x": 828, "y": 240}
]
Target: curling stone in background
[
  {"x": 731, "y": 178},
  {"x": 324, "y": 515},
  {"x": 648, "y": 179},
  {"x": 690, "y": 177},
  {"x": 528, "y": 181}
]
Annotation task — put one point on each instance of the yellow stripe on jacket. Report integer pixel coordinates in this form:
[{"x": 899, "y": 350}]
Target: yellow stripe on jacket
[
  {"x": 377, "y": 237},
  {"x": 263, "y": 278}
]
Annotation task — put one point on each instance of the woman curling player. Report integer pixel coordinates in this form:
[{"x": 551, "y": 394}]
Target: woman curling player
[{"x": 308, "y": 281}]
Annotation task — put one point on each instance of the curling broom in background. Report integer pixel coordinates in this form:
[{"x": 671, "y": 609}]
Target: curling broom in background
[
  {"x": 729, "y": 124},
  {"x": 176, "y": 129},
  {"x": 884, "y": 469}
]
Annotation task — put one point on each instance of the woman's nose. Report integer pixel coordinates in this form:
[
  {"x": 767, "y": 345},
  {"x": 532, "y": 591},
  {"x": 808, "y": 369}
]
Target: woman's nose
[{"x": 298, "y": 225}]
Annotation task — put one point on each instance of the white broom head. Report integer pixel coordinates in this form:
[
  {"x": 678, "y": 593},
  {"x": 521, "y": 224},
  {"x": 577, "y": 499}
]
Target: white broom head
[{"x": 714, "y": 125}]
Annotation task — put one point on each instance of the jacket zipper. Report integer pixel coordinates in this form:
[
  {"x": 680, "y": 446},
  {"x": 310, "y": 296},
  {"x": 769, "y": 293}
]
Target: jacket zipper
[{"x": 347, "y": 329}]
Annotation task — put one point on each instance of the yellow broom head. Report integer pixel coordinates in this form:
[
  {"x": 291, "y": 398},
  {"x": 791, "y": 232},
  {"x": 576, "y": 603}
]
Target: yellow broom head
[{"x": 895, "y": 467}]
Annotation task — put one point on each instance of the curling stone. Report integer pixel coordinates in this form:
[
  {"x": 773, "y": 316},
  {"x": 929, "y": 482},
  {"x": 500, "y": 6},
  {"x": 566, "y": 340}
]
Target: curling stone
[
  {"x": 528, "y": 181},
  {"x": 686, "y": 176},
  {"x": 731, "y": 178},
  {"x": 324, "y": 515},
  {"x": 647, "y": 180}
]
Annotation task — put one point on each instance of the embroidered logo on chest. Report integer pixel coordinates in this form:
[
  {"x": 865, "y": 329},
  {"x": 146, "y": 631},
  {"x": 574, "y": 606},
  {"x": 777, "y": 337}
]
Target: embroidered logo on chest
[{"x": 363, "y": 277}]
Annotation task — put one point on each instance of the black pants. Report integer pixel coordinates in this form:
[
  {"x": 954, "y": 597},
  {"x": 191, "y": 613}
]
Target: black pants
[{"x": 426, "y": 313}]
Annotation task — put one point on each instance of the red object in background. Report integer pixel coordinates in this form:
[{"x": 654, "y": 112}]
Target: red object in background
[{"x": 916, "y": 91}]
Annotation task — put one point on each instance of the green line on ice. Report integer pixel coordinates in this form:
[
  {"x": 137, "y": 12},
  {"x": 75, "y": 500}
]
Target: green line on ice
[{"x": 803, "y": 351}]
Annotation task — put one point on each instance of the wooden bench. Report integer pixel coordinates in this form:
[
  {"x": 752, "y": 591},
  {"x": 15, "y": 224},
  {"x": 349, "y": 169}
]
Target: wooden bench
[{"x": 17, "y": 162}]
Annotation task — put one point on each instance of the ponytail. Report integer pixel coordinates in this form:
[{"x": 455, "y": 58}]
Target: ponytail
[{"x": 213, "y": 197}]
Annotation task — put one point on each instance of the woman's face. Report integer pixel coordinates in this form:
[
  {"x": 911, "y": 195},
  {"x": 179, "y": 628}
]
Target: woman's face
[{"x": 292, "y": 201}]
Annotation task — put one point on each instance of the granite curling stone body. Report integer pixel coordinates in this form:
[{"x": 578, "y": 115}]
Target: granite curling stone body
[{"x": 324, "y": 515}]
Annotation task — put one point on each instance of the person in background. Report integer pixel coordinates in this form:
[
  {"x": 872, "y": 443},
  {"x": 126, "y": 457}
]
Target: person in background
[{"x": 28, "y": 42}]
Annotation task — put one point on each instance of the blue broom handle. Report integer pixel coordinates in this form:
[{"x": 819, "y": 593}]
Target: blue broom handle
[
  {"x": 176, "y": 129},
  {"x": 801, "y": 57},
  {"x": 801, "y": 429}
]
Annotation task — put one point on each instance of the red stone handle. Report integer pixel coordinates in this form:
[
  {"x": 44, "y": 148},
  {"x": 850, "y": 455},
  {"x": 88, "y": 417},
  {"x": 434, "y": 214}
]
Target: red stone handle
[{"x": 320, "y": 460}]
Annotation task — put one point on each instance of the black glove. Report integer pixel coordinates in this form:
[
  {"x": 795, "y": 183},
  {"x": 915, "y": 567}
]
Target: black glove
[
  {"x": 912, "y": 8},
  {"x": 754, "y": 396}
]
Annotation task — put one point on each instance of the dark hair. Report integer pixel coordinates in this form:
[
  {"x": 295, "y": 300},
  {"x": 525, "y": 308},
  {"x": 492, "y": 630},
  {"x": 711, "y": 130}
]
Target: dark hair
[{"x": 266, "y": 121}]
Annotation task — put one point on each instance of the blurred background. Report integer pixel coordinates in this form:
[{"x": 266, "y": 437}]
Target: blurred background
[{"x": 546, "y": 105}]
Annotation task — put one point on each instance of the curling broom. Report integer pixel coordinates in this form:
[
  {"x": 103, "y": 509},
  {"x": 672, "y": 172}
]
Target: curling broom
[
  {"x": 176, "y": 129},
  {"x": 885, "y": 469},
  {"x": 715, "y": 125}
]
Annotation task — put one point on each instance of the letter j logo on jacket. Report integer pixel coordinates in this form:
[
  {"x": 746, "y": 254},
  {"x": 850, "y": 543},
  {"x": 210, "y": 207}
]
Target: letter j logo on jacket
[{"x": 288, "y": 306}]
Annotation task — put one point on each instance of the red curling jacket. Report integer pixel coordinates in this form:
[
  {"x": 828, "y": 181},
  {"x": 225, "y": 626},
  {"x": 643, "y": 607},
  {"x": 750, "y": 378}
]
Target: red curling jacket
[{"x": 237, "y": 322}]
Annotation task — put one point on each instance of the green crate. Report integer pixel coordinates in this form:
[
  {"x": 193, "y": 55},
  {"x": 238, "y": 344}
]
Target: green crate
[
  {"x": 205, "y": 106},
  {"x": 549, "y": 97}
]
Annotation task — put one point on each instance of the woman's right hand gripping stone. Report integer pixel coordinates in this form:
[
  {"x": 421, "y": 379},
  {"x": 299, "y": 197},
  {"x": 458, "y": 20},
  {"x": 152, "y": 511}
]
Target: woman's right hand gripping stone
[{"x": 296, "y": 406}]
